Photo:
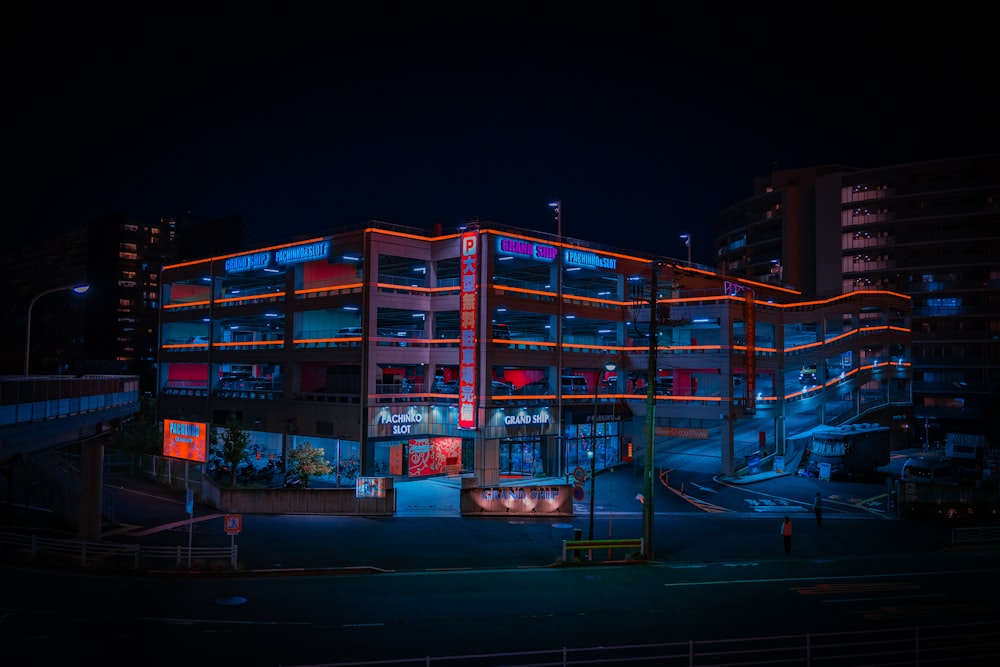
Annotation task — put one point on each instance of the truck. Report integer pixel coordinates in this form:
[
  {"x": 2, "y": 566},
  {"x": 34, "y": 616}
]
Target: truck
[
  {"x": 854, "y": 451},
  {"x": 966, "y": 446},
  {"x": 968, "y": 454}
]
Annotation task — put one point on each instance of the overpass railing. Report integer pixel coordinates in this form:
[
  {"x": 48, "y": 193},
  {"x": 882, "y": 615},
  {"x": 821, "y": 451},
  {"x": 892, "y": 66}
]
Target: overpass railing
[{"x": 27, "y": 399}]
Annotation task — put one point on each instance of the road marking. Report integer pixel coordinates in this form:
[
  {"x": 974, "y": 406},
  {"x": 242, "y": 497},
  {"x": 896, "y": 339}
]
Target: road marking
[
  {"x": 177, "y": 524},
  {"x": 700, "y": 504},
  {"x": 827, "y": 589}
]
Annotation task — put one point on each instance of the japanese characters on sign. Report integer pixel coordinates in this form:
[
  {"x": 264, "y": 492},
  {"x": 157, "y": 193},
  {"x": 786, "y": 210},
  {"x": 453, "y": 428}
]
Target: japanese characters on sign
[{"x": 468, "y": 321}]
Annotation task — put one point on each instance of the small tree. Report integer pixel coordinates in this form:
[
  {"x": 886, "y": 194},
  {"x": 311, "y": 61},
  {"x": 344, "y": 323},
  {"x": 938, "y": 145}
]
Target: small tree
[
  {"x": 141, "y": 434},
  {"x": 306, "y": 461},
  {"x": 235, "y": 442}
]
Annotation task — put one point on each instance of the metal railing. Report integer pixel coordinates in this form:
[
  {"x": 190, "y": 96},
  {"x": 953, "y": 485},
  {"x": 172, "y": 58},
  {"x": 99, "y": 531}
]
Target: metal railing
[
  {"x": 959, "y": 644},
  {"x": 975, "y": 535},
  {"x": 25, "y": 400},
  {"x": 115, "y": 556}
]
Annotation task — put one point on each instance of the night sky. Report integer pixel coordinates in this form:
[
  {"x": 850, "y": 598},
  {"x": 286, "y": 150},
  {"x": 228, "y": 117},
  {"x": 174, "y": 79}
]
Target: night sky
[{"x": 645, "y": 123}]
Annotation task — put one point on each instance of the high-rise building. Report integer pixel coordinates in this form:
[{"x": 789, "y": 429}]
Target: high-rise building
[
  {"x": 930, "y": 230},
  {"x": 112, "y": 328}
]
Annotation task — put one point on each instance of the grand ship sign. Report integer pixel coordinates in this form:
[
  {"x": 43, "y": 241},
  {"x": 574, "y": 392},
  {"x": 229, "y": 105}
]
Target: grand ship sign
[
  {"x": 525, "y": 422},
  {"x": 541, "y": 500}
]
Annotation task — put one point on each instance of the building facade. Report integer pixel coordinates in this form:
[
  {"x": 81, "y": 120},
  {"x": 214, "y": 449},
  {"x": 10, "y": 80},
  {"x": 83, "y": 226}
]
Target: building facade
[
  {"x": 113, "y": 327},
  {"x": 499, "y": 352},
  {"x": 930, "y": 230}
]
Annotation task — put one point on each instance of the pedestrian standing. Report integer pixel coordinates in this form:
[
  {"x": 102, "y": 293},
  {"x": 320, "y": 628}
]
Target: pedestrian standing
[
  {"x": 786, "y": 534},
  {"x": 818, "y": 509}
]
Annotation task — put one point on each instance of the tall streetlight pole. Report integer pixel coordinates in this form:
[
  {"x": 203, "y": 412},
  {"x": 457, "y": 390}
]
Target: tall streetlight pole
[
  {"x": 557, "y": 205},
  {"x": 650, "y": 423},
  {"x": 77, "y": 288},
  {"x": 687, "y": 242},
  {"x": 609, "y": 366}
]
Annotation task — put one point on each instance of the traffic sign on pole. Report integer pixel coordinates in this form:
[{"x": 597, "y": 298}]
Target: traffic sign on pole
[{"x": 234, "y": 524}]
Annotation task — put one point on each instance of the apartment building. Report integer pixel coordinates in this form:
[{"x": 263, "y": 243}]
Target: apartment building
[{"x": 930, "y": 230}]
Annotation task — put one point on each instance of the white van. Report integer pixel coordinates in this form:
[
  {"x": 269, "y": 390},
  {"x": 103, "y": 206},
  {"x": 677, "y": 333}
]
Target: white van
[
  {"x": 929, "y": 471},
  {"x": 574, "y": 384}
]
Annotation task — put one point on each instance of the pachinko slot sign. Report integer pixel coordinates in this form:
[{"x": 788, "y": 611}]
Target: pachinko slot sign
[
  {"x": 185, "y": 440},
  {"x": 467, "y": 330}
]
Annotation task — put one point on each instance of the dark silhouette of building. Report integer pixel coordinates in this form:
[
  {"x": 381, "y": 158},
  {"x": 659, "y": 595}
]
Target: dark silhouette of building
[
  {"x": 930, "y": 230},
  {"x": 112, "y": 328}
]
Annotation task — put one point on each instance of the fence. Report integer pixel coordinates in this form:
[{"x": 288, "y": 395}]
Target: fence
[
  {"x": 956, "y": 644},
  {"x": 115, "y": 556},
  {"x": 975, "y": 535}
]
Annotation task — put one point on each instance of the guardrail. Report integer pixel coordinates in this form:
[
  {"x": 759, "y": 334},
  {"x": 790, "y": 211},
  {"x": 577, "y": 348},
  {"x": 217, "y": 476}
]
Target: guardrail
[
  {"x": 115, "y": 555},
  {"x": 956, "y": 644},
  {"x": 974, "y": 535},
  {"x": 632, "y": 544}
]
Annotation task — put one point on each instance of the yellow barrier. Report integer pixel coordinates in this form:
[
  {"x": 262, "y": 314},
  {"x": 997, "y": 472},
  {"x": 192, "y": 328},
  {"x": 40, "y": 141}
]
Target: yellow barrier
[{"x": 589, "y": 545}]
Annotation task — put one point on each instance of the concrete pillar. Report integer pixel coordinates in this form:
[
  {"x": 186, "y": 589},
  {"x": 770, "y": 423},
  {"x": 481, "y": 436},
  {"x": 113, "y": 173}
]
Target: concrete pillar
[{"x": 91, "y": 489}]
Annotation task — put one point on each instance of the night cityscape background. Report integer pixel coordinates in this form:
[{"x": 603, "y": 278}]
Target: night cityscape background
[
  {"x": 838, "y": 170},
  {"x": 645, "y": 122}
]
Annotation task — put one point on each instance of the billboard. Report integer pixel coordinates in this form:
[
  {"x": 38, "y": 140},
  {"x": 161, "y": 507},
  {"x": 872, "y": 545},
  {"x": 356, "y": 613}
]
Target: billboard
[
  {"x": 185, "y": 440},
  {"x": 369, "y": 487}
]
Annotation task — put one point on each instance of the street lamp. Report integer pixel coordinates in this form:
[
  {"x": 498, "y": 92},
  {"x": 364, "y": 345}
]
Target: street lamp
[
  {"x": 610, "y": 367},
  {"x": 557, "y": 205},
  {"x": 687, "y": 242},
  {"x": 77, "y": 288}
]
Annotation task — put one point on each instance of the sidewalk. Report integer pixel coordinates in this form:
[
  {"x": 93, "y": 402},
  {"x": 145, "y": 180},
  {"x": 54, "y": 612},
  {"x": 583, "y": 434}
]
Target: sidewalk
[{"x": 428, "y": 533}]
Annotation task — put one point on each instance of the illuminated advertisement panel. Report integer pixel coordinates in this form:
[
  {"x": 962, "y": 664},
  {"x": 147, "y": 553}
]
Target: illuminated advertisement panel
[
  {"x": 468, "y": 331},
  {"x": 526, "y": 249},
  {"x": 185, "y": 440},
  {"x": 587, "y": 259},
  {"x": 369, "y": 487},
  {"x": 433, "y": 456},
  {"x": 751, "y": 356},
  {"x": 304, "y": 252}
]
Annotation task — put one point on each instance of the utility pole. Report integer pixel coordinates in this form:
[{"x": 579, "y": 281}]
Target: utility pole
[{"x": 650, "y": 425}]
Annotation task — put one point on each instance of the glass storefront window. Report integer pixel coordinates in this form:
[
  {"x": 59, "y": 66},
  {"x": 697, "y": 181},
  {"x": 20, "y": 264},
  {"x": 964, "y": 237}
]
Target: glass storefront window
[
  {"x": 519, "y": 457},
  {"x": 578, "y": 446}
]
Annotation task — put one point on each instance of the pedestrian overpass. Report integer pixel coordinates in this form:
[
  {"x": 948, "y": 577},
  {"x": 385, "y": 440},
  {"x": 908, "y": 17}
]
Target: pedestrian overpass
[{"x": 39, "y": 414}]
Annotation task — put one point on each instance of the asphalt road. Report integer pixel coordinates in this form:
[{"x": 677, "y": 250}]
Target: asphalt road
[
  {"x": 698, "y": 518},
  {"x": 317, "y": 589}
]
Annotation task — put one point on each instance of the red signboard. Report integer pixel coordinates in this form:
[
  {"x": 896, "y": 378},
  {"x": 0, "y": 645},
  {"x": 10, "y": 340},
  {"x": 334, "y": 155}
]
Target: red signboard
[
  {"x": 431, "y": 456},
  {"x": 468, "y": 328},
  {"x": 185, "y": 440},
  {"x": 751, "y": 355}
]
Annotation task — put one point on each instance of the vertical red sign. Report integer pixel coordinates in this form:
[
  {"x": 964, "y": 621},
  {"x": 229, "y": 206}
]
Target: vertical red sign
[
  {"x": 751, "y": 358},
  {"x": 468, "y": 309}
]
